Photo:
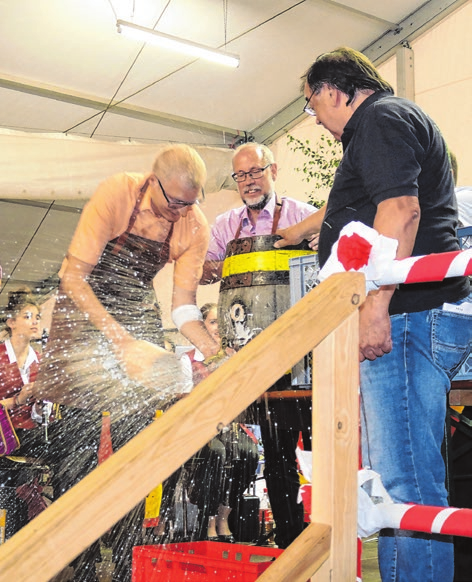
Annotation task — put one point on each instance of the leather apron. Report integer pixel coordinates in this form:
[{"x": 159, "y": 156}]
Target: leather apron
[{"x": 79, "y": 367}]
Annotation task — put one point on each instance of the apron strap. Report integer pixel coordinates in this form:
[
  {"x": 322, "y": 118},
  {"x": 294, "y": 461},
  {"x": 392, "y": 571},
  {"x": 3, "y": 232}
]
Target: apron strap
[
  {"x": 123, "y": 236},
  {"x": 277, "y": 213},
  {"x": 275, "y": 222}
]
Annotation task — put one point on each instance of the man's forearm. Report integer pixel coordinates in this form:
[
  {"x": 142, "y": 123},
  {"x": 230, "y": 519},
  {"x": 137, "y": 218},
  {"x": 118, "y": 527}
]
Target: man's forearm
[
  {"x": 196, "y": 333},
  {"x": 300, "y": 231}
]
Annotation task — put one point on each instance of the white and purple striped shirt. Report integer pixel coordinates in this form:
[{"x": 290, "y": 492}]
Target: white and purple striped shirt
[{"x": 227, "y": 224}]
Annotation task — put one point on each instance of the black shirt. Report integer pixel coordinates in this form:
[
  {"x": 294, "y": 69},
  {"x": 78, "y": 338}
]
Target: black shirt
[{"x": 391, "y": 149}]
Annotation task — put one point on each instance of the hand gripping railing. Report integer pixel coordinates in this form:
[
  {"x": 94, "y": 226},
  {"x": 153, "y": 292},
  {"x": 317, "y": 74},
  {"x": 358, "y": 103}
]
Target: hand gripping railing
[{"x": 325, "y": 319}]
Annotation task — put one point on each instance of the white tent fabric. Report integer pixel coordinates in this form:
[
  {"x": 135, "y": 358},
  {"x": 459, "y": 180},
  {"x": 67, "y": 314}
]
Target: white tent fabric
[
  {"x": 59, "y": 166},
  {"x": 443, "y": 85}
]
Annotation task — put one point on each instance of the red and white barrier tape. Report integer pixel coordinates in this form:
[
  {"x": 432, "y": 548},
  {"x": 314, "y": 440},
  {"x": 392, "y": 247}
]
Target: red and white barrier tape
[
  {"x": 361, "y": 248},
  {"x": 434, "y": 267},
  {"x": 428, "y": 519}
]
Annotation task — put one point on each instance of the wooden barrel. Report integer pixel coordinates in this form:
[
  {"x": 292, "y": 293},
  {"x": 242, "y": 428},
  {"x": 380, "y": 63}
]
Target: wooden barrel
[{"x": 255, "y": 286}]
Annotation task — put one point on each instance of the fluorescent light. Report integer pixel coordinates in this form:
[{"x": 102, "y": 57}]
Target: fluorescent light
[{"x": 177, "y": 44}]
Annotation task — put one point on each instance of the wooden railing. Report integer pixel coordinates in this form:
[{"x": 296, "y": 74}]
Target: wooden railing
[{"x": 325, "y": 319}]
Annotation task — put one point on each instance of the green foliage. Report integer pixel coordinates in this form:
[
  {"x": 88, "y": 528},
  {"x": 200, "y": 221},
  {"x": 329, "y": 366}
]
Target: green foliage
[
  {"x": 320, "y": 165},
  {"x": 315, "y": 203}
]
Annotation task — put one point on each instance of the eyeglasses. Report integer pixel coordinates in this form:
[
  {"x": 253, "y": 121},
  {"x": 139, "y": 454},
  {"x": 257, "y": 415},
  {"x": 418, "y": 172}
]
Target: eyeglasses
[
  {"x": 254, "y": 174},
  {"x": 308, "y": 108},
  {"x": 173, "y": 203}
]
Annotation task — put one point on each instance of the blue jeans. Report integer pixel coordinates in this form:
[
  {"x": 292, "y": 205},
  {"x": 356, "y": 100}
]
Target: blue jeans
[{"x": 403, "y": 409}]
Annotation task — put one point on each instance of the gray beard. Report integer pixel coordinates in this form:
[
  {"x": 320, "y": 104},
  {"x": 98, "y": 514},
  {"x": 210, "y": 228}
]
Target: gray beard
[{"x": 259, "y": 205}]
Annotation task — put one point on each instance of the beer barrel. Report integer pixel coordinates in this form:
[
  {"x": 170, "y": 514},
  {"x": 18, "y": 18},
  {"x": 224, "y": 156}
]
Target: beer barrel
[{"x": 255, "y": 286}]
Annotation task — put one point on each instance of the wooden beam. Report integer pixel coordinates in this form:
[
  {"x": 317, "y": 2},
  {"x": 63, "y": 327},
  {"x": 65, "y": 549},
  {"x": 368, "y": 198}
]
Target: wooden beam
[
  {"x": 89, "y": 509},
  {"x": 120, "y": 108},
  {"x": 303, "y": 557},
  {"x": 461, "y": 393},
  {"x": 335, "y": 464}
]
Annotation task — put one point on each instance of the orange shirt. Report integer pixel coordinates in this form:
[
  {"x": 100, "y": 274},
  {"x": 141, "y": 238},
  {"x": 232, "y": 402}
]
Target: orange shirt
[{"x": 107, "y": 215}]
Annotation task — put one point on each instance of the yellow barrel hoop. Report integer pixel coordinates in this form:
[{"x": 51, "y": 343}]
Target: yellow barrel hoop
[{"x": 273, "y": 260}]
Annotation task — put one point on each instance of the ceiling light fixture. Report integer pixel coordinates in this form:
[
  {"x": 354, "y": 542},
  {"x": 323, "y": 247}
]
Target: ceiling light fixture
[{"x": 177, "y": 44}]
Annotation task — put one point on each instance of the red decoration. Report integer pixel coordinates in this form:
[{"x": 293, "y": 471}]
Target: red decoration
[
  {"x": 353, "y": 252},
  {"x": 199, "y": 372}
]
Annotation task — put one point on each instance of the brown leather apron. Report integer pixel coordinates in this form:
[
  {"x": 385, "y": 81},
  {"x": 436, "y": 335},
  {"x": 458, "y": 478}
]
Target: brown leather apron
[{"x": 79, "y": 367}]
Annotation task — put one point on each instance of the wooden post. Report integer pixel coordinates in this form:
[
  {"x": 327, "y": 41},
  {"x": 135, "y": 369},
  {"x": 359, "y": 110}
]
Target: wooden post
[
  {"x": 89, "y": 509},
  {"x": 335, "y": 463},
  {"x": 336, "y": 447},
  {"x": 303, "y": 557}
]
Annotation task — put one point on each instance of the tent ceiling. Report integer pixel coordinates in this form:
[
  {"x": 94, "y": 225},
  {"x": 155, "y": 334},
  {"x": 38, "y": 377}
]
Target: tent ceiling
[{"x": 62, "y": 67}]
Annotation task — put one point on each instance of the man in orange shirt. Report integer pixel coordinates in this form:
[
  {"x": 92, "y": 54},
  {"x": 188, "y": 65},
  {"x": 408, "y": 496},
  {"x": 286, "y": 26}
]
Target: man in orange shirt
[
  {"x": 132, "y": 226},
  {"x": 102, "y": 344}
]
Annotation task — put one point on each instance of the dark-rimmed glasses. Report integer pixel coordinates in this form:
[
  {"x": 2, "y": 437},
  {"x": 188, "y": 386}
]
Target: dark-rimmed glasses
[
  {"x": 308, "y": 109},
  {"x": 173, "y": 203},
  {"x": 255, "y": 174}
]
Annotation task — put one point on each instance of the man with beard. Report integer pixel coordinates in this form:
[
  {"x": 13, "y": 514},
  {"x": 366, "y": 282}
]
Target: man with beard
[{"x": 281, "y": 420}]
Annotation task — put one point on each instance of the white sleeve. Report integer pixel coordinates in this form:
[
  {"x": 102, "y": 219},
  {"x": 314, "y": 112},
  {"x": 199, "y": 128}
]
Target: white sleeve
[
  {"x": 464, "y": 205},
  {"x": 186, "y": 365}
]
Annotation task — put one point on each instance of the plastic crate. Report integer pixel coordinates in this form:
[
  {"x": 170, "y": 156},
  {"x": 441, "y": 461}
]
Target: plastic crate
[
  {"x": 304, "y": 277},
  {"x": 201, "y": 562},
  {"x": 465, "y": 241},
  {"x": 304, "y": 272},
  {"x": 465, "y": 372}
]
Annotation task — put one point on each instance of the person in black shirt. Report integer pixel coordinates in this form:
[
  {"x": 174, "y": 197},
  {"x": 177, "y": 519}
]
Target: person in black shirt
[{"x": 395, "y": 176}]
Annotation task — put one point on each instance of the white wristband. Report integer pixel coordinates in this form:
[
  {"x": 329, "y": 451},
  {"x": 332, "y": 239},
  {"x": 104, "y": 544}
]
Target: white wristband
[{"x": 186, "y": 313}]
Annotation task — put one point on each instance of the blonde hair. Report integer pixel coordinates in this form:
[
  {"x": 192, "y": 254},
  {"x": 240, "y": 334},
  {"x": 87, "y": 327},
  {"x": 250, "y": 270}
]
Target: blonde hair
[
  {"x": 184, "y": 161},
  {"x": 205, "y": 309}
]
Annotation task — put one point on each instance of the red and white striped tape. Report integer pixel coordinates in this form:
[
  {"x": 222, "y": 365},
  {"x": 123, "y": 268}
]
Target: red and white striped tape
[
  {"x": 426, "y": 518},
  {"x": 434, "y": 267},
  {"x": 362, "y": 249}
]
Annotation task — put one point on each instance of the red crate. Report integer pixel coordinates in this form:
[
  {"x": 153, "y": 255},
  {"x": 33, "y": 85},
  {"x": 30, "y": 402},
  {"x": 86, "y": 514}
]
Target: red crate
[{"x": 201, "y": 562}]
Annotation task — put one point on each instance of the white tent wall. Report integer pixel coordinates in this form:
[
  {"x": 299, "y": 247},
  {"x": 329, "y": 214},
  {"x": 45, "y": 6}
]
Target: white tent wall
[
  {"x": 443, "y": 85},
  {"x": 443, "y": 79},
  {"x": 61, "y": 167}
]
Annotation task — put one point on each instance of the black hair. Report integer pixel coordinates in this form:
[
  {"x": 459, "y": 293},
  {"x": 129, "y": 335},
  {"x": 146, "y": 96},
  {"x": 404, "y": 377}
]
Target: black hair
[{"x": 347, "y": 70}]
